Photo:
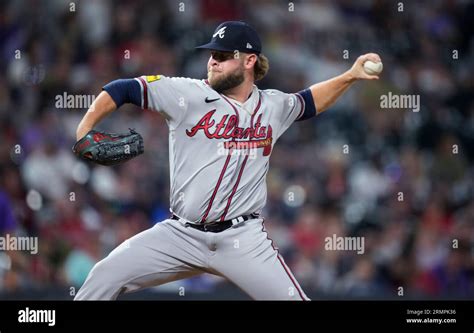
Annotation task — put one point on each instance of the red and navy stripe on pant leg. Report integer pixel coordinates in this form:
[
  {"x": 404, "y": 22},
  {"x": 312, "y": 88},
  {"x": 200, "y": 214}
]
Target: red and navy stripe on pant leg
[{"x": 285, "y": 267}]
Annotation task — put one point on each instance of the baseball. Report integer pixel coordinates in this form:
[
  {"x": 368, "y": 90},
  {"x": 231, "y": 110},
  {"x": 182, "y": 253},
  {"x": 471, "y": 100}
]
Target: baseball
[{"x": 373, "y": 68}]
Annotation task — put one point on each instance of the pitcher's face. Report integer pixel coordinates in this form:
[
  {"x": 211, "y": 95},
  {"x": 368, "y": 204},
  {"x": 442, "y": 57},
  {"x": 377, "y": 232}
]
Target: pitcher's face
[{"x": 225, "y": 70}]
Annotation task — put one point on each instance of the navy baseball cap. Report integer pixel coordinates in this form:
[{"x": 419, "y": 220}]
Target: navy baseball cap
[{"x": 234, "y": 35}]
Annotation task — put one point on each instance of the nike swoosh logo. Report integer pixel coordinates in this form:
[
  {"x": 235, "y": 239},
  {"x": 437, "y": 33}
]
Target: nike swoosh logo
[{"x": 211, "y": 100}]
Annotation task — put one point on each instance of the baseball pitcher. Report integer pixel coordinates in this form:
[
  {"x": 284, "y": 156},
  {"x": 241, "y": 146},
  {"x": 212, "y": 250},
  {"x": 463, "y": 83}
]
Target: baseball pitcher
[{"x": 221, "y": 134}]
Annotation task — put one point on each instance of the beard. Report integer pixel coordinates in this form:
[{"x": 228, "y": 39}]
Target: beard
[{"x": 226, "y": 82}]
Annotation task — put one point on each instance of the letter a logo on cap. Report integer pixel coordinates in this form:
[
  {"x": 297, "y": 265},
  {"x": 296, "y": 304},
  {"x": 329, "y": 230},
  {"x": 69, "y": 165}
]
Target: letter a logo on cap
[{"x": 220, "y": 32}]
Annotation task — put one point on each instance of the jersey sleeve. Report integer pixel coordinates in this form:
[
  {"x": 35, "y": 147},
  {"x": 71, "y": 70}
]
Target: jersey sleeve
[
  {"x": 297, "y": 107},
  {"x": 166, "y": 95}
]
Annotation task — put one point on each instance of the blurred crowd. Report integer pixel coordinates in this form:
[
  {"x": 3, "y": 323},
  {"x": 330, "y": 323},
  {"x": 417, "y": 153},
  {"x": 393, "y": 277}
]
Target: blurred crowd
[{"x": 403, "y": 180}]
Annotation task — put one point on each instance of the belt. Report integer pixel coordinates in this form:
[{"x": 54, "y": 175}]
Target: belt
[{"x": 218, "y": 226}]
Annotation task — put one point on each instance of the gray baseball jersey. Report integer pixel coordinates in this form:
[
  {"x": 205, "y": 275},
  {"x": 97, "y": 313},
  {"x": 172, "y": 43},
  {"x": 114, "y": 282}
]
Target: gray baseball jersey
[
  {"x": 219, "y": 157},
  {"x": 219, "y": 148}
]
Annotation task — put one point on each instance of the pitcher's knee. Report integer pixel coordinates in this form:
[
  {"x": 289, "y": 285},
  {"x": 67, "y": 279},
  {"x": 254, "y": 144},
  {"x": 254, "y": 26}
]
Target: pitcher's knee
[
  {"x": 109, "y": 270},
  {"x": 103, "y": 282}
]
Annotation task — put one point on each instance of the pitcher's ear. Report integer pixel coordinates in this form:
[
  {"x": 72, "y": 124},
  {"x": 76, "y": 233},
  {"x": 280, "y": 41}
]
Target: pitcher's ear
[{"x": 250, "y": 60}]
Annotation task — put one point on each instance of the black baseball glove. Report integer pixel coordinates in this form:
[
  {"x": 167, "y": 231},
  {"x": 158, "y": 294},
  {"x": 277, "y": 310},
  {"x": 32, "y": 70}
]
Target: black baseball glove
[{"x": 109, "y": 149}]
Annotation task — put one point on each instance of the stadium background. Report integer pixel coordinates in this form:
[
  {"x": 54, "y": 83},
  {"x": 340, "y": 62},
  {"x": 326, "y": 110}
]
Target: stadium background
[{"x": 80, "y": 212}]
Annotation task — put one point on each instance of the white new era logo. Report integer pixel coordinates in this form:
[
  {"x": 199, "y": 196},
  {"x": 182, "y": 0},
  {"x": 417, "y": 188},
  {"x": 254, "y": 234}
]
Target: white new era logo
[
  {"x": 220, "y": 32},
  {"x": 249, "y": 46}
]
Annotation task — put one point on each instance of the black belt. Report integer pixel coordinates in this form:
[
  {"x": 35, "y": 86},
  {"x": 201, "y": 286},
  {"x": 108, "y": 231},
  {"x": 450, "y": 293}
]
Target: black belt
[{"x": 218, "y": 226}]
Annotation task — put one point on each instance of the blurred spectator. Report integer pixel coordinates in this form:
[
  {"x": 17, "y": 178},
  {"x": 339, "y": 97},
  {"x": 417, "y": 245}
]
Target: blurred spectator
[{"x": 7, "y": 219}]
